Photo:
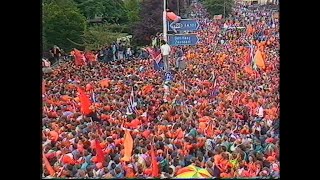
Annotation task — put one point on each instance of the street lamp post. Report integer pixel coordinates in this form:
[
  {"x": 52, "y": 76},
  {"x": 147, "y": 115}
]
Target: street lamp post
[
  {"x": 178, "y": 6},
  {"x": 224, "y": 8},
  {"x": 164, "y": 20}
]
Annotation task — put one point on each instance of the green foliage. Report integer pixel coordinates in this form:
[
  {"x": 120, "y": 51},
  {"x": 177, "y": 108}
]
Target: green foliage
[
  {"x": 99, "y": 36},
  {"x": 65, "y": 22},
  {"x": 150, "y": 22},
  {"x": 132, "y": 8},
  {"x": 115, "y": 11},
  {"x": 112, "y": 11},
  {"x": 216, "y": 7},
  {"x": 91, "y": 8},
  {"x": 62, "y": 21}
]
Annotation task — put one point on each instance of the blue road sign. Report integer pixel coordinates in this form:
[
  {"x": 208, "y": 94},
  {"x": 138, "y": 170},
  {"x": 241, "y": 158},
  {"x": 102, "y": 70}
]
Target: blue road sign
[
  {"x": 185, "y": 25},
  {"x": 182, "y": 39}
]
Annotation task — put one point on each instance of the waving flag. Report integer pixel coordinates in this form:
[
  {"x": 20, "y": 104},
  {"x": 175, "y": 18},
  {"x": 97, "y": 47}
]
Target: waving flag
[
  {"x": 100, "y": 156},
  {"x": 154, "y": 164},
  {"x": 84, "y": 102},
  {"x": 156, "y": 56},
  {"x": 132, "y": 104},
  {"x": 79, "y": 58},
  {"x": 214, "y": 91},
  {"x": 128, "y": 146},
  {"x": 93, "y": 97},
  {"x": 258, "y": 60}
]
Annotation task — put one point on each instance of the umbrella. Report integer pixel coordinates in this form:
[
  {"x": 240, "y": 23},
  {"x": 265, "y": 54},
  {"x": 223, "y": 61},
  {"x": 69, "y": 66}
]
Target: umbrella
[{"x": 192, "y": 171}]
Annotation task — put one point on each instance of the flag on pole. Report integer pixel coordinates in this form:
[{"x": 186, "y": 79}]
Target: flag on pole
[
  {"x": 85, "y": 102},
  {"x": 154, "y": 163},
  {"x": 93, "y": 97},
  {"x": 251, "y": 53},
  {"x": 214, "y": 92},
  {"x": 128, "y": 146},
  {"x": 99, "y": 152},
  {"x": 132, "y": 104},
  {"x": 258, "y": 60},
  {"x": 156, "y": 56}
]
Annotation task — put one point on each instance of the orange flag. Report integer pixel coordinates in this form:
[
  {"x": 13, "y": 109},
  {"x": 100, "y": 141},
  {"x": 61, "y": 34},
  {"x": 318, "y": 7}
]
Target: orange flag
[
  {"x": 258, "y": 59},
  {"x": 78, "y": 57},
  {"x": 248, "y": 70},
  {"x": 84, "y": 101},
  {"x": 90, "y": 56},
  {"x": 47, "y": 164},
  {"x": 100, "y": 156},
  {"x": 128, "y": 146},
  {"x": 154, "y": 164}
]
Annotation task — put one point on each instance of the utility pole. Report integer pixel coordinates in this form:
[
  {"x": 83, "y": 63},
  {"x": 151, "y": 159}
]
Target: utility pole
[
  {"x": 224, "y": 9},
  {"x": 178, "y": 7},
  {"x": 164, "y": 20}
]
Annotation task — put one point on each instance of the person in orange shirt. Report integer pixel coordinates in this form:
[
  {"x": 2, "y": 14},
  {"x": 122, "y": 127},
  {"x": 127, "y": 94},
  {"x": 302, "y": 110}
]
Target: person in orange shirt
[{"x": 173, "y": 17}]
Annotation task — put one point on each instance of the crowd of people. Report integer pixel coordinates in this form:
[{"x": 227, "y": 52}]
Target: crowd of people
[{"x": 220, "y": 113}]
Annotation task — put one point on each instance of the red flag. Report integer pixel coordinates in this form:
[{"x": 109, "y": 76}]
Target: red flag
[
  {"x": 48, "y": 166},
  {"x": 154, "y": 164},
  {"x": 158, "y": 58},
  {"x": 99, "y": 153},
  {"x": 84, "y": 101},
  {"x": 154, "y": 55}
]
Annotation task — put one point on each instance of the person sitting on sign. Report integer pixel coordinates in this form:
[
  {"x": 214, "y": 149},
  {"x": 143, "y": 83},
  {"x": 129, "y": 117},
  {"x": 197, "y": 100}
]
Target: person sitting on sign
[{"x": 173, "y": 17}]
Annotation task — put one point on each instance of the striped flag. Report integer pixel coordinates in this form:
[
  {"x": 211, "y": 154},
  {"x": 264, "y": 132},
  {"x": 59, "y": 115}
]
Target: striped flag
[
  {"x": 132, "y": 104},
  {"x": 215, "y": 88},
  {"x": 156, "y": 56},
  {"x": 251, "y": 53},
  {"x": 93, "y": 97}
]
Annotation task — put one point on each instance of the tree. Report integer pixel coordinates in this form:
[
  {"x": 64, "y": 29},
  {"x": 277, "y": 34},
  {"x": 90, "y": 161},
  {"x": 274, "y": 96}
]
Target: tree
[
  {"x": 150, "y": 22},
  {"x": 115, "y": 11},
  {"x": 132, "y": 8},
  {"x": 99, "y": 36},
  {"x": 216, "y": 7},
  {"x": 91, "y": 8},
  {"x": 63, "y": 24},
  {"x": 112, "y": 11}
]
